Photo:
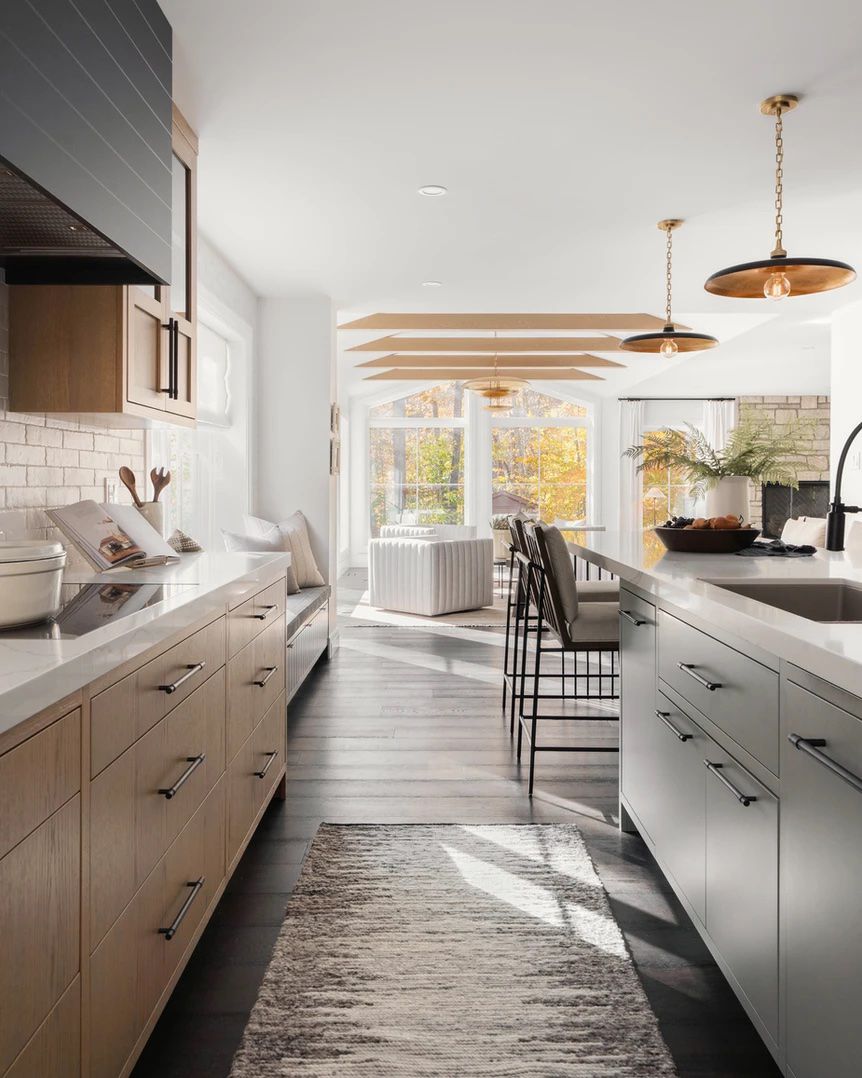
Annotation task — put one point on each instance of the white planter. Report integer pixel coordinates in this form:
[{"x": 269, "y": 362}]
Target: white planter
[
  {"x": 730, "y": 497},
  {"x": 502, "y": 539}
]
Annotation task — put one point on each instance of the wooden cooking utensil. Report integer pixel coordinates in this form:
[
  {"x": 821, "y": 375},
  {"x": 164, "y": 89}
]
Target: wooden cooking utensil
[
  {"x": 160, "y": 479},
  {"x": 127, "y": 478}
]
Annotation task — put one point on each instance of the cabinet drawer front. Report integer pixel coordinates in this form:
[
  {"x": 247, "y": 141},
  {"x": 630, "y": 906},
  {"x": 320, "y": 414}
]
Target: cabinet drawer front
[
  {"x": 132, "y": 822},
  {"x": 254, "y": 615},
  {"x": 135, "y": 961},
  {"x": 821, "y": 874},
  {"x": 255, "y": 679},
  {"x": 305, "y": 647},
  {"x": 55, "y": 1050},
  {"x": 742, "y": 880},
  {"x": 125, "y": 711},
  {"x": 268, "y": 750},
  {"x": 242, "y": 792},
  {"x": 744, "y": 699},
  {"x": 38, "y": 776},
  {"x": 40, "y": 910},
  {"x": 670, "y": 752}
]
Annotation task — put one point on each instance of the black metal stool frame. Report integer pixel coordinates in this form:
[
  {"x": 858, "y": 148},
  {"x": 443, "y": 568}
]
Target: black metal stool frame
[{"x": 527, "y": 724}]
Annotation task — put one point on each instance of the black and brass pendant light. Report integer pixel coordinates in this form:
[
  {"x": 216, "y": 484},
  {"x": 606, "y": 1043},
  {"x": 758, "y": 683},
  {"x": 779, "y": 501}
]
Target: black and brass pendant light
[
  {"x": 669, "y": 341},
  {"x": 779, "y": 276}
]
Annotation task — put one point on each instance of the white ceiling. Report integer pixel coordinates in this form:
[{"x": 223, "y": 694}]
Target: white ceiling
[{"x": 563, "y": 130}]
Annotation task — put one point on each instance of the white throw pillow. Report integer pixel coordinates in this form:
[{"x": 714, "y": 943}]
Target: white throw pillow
[
  {"x": 805, "y": 531},
  {"x": 295, "y": 529},
  {"x": 261, "y": 544}
]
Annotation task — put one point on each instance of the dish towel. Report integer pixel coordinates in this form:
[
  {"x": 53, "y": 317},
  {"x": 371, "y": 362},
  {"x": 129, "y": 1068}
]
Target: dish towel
[{"x": 776, "y": 549}]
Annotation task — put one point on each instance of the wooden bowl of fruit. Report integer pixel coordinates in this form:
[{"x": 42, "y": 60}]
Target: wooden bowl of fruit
[{"x": 706, "y": 535}]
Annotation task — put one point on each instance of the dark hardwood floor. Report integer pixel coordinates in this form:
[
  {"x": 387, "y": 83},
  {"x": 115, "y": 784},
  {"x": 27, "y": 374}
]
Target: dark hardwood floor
[{"x": 404, "y": 725}]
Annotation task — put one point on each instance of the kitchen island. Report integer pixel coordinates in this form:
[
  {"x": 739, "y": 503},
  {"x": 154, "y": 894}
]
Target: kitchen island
[
  {"x": 142, "y": 736},
  {"x": 741, "y": 768}
]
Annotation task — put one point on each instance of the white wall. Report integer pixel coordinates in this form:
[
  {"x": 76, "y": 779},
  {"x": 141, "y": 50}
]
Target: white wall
[
  {"x": 847, "y": 398},
  {"x": 295, "y": 388}
]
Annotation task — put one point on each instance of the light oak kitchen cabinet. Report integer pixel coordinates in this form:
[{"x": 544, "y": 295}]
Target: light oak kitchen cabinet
[
  {"x": 125, "y": 354},
  {"x": 121, "y": 821}
]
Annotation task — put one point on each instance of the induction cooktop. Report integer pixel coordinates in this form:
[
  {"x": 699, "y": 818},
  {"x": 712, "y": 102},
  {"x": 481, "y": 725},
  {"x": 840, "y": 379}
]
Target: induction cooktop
[{"x": 87, "y": 607}]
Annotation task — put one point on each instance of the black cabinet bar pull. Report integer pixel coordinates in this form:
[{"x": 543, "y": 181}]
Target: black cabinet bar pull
[
  {"x": 627, "y": 614},
  {"x": 194, "y": 763},
  {"x": 688, "y": 668},
  {"x": 267, "y": 611},
  {"x": 171, "y": 930},
  {"x": 266, "y": 766},
  {"x": 191, "y": 670},
  {"x": 176, "y": 350},
  {"x": 743, "y": 799},
  {"x": 270, "y": 670},
  {"x": 169, "y": 326},
  {"x": 664, "y": 716},
  {"x": 812, "y": 746}
]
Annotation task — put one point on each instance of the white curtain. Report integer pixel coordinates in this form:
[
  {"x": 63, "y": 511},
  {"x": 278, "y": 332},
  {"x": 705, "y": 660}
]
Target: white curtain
[
  {"x": 719, "y": 419},
  {"x": 631, "y": 482}
]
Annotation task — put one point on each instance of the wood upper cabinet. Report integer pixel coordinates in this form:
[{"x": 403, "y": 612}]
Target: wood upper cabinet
[{"x": 125, "y": 352}]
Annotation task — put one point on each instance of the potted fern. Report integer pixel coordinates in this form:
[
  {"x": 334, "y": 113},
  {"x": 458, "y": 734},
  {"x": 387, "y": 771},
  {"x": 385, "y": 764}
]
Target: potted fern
[{"x": 754, "y": 452}]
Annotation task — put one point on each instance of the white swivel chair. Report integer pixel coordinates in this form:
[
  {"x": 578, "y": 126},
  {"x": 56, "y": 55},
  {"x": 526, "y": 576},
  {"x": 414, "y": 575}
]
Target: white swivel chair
[{"x": 428, "y": 531}]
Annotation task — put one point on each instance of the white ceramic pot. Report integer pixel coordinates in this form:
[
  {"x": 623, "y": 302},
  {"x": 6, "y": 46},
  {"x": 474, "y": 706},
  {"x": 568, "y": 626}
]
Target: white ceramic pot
[
  {"x": 154, "y": 514},
  {"x": 730, "y": 496},
  {"x": 502, "y": 539},
  {"x": 31, "y": 572}
]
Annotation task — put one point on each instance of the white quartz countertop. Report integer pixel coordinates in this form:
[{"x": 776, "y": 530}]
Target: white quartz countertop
[
  {"x": 830, "y": 650},
  {"x": 36, "y": 673}
]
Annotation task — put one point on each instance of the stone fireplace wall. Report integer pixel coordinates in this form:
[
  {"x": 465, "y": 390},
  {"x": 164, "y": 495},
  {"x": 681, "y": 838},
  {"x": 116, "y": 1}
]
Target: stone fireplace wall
[{"x": 813, "y": 456}]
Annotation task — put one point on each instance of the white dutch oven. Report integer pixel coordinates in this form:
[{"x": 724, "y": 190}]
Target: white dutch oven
[{"x": 31, "y": 572}]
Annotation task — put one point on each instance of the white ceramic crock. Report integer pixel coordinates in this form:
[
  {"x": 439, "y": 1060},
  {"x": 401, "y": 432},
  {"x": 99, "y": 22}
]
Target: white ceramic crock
[
  {"x": 729, "y": 497},
  {"x": 31, "y": 572}
]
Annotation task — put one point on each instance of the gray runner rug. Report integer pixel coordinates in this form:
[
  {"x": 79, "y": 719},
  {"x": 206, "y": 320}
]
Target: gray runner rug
[{"x": 416, "y": 951}]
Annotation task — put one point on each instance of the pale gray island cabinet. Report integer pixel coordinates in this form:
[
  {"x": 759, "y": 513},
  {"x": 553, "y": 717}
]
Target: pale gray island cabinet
[{"x": 760, "y": 839}]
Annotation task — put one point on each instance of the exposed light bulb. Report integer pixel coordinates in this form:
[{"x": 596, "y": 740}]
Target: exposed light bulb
[
  {"x": 669, "y": 348},
  {"x": 777, "y": 286}
]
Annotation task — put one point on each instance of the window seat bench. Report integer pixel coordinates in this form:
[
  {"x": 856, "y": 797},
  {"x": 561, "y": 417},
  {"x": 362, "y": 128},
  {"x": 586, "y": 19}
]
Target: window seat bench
[{"x": 307, "y": 633}]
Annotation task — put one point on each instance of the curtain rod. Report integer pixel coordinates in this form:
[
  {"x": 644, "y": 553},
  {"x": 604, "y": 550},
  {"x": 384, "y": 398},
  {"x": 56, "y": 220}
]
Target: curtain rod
[{"x": 676, "y": 398}]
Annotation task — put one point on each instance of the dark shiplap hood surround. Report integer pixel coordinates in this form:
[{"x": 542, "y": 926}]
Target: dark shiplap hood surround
[{"x": 85, "y": 142}]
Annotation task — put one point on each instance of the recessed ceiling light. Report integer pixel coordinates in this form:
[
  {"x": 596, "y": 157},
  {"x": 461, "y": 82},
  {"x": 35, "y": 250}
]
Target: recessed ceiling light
[
  {"x": 432, "y": 190},
  {"x": 432, "y": 284}
]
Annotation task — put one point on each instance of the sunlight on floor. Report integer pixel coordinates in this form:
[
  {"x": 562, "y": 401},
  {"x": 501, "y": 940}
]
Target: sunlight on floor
[
  {"x": 539, "y": 847},
  {"x": 593, "y": 927},
  {"x": 414, "y": 657}
]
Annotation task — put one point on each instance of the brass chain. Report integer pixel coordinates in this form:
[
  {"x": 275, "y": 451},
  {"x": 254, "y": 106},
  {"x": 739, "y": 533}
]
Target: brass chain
[
  {"x": 779, "y": 251},
  {"x": 668, "y": 275}
]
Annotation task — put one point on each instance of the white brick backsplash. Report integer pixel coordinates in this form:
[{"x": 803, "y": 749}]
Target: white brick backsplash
[
  {"x": 44, "y": 436},
  {"x": 47, "y": 462},
  {"x": 77, "y": 439},
  {"x": 13, "y": 475},
  {"x": 12, "y": 432},
  {"x": 25, "y": 454},
  {"x": 79, "y": 477},
  {"x": 40, "y": 476},
  {"x": 94, "y": 460},
  {"x": 106, "y": 443}
]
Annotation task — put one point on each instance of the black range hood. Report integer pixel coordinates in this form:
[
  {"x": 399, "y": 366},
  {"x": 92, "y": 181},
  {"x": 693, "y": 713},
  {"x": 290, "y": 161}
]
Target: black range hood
[{"x": 85, "y": 142}]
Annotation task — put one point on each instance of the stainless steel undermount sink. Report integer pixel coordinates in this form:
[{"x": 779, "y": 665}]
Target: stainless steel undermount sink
[{"x": 817, "y": 600}]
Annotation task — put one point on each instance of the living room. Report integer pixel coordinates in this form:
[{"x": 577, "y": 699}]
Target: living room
[{"x": 430, "y": 564}]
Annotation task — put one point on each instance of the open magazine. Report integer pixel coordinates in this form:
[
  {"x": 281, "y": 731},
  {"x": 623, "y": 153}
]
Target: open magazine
[{"x": 112, "y": 535}]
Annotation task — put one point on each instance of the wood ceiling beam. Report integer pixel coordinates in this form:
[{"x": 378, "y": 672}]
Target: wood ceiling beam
[
  {"x": 461, "y": 374},
  {"x": 489, "y": 344},
  {"x": 534, "y": 362},
  {"x": 507, "y": 321}
]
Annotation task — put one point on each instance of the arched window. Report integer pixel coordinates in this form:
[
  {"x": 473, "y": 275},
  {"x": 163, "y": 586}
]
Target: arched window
[{"x": 438, "y": 456}]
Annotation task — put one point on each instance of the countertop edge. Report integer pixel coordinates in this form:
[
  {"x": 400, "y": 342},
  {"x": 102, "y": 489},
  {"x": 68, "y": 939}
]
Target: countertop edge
[{"x": 145, "y": 632}]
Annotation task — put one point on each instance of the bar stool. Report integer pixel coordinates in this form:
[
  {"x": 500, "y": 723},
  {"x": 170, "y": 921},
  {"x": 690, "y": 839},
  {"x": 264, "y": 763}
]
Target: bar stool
[
  {"x": 562, "y": 626},
  {"x": 519, "y": 620}
]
